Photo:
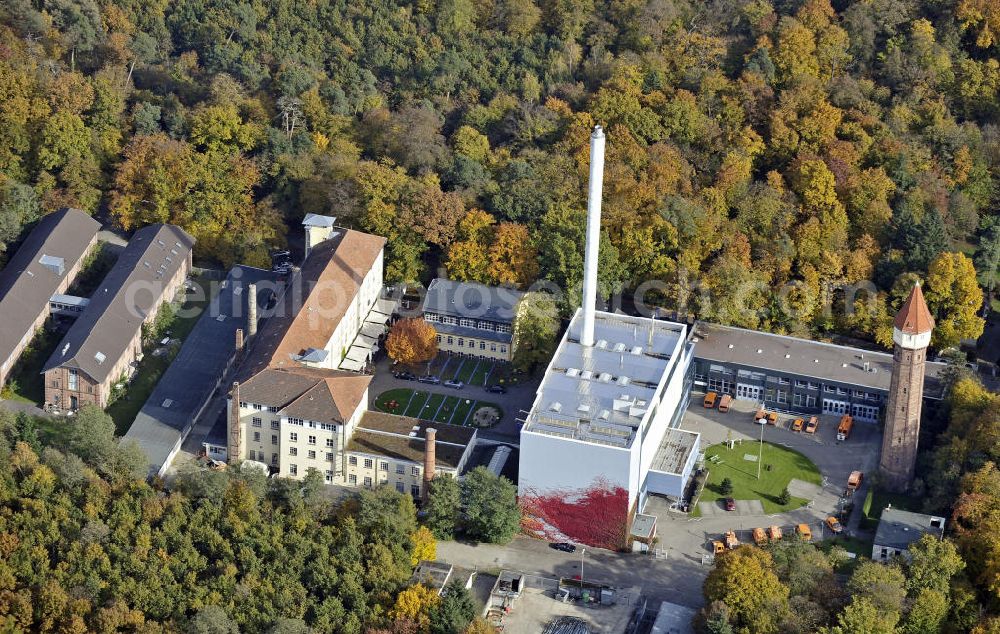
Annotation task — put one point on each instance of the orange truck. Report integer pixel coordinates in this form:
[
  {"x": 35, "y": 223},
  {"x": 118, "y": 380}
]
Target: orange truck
[
  {"x": 854, "y": 481},
  {"x": 731, "y": 541},
  {"x": 759, "y": 536},
  {"x": 844, "y": 429},
  {"x": 724, "y": 403}
]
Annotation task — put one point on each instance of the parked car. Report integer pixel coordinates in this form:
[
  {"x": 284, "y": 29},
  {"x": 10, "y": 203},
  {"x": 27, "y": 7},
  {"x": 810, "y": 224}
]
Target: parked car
[
  {"x": 834, "y": 525},
  {"x": 404, "y": 375},
  {"x": 455, "y": 384},
  {"x": 730, "y": 504},
  {"x": 812, "y": 425},
  {"x": 496, "y": 389},
  {"x": 797, "y": 424},
  {"x": 805, "y": 534},
  {"x": 429, "y": 378},
  {"x": 566, "y": 547}
]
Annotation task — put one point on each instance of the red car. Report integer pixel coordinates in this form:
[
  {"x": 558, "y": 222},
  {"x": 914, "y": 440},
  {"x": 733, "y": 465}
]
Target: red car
[{"x": 730, "y": 504}]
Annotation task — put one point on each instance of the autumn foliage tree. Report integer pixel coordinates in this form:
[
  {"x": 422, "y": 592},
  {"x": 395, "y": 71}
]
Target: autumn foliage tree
[{"x": 411, "y": 341}]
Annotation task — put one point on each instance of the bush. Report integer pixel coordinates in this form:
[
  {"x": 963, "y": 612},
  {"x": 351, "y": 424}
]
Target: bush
[
  {"x": 785, "y": 497},
  {"x": 726, "y": 486}
]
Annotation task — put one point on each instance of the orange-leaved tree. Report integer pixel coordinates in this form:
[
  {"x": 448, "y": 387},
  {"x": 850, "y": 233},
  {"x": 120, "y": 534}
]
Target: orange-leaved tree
[{"x": 411, "y": 341}]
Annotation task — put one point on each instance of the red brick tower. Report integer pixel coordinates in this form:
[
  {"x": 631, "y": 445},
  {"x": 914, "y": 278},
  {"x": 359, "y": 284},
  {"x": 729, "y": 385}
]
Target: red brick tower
[{"x": 911, "y": 334}]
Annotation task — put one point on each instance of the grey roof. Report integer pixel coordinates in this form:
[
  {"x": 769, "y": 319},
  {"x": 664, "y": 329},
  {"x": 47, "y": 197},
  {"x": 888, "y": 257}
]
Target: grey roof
[
  {"x": 674, "y": 619},
  {"x": 475, "y": 333},
  {"x": 674, "y": 450},
  {"x": 402, "y": 438},
  {"x": 101, "y": 335},
  {"x": 192, "y": 376},
  {"x": 469, "y": 299},
  {"x": 27, "y": 284},
  {"x": 603, "y": 393},
  {"x": 643, "y": 525},
  {"x": 803, "y": 357},
  {"x": 316, "y": 220},
  {"x": 898, "y": 528}
]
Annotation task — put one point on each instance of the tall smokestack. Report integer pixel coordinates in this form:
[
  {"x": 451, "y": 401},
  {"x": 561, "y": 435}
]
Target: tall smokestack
[
  {"x": 430, "y": 457},
  {"x": 234, "y": 424},
  {"x": 251, "y": 310},
  {"x": 593, "y": 235}
]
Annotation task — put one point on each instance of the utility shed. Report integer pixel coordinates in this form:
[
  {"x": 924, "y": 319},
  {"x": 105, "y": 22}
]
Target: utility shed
[{"x": 897, "y": 529}]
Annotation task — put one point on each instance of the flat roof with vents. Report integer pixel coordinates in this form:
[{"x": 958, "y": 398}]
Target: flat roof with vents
[
  {"x": 605, "y": 394},
  {"x": 803, "y": 357}
]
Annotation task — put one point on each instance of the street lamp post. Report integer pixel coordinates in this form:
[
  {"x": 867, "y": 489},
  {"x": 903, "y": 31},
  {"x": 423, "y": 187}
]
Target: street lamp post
[
  {"x": 760, "y": 452},
  {"x": 583, "y": 551}
]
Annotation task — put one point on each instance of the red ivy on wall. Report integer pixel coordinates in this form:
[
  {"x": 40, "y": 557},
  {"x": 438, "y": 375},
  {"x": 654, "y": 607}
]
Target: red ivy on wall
[{"x": 596, "y": 516}]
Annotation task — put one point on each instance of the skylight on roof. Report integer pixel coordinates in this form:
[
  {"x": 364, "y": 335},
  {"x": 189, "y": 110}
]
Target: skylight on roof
[{"x": 100, "y": 357}]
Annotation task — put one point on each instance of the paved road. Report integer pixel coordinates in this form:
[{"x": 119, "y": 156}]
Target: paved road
[{"x": 677, "y": 579}]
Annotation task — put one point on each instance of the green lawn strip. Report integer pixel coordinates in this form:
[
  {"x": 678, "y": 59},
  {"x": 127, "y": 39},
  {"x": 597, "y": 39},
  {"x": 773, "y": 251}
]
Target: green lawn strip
[
  {"x": 786, "y": 464},
  {"x": 416, "y": 405},
  {"x": 462, "y": 411},
  {"x": 124, "y": 410},
  {"x": 479, "y": 376},
  {"x": 468, "y": 368},
  {"x": 26, "y": 383},
  {"x": 453, "y": 367},
  {"x": 433, "y": 405},
  {"x": 876, "y": 501},
  {"x": 401, "y": 395},
  {"x": 446, "y": 410}
]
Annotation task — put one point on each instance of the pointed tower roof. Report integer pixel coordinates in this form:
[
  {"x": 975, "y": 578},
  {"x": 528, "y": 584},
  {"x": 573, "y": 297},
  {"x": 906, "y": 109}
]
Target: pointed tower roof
[{"x": 914, "y": 318}]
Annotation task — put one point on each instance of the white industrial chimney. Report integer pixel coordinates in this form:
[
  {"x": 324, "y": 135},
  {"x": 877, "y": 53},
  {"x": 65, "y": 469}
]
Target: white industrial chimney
[{"x": 593, "y": 235}]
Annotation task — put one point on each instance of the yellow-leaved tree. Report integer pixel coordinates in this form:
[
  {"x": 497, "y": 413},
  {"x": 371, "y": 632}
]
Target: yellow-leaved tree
[{"x": 411, "y": 341}]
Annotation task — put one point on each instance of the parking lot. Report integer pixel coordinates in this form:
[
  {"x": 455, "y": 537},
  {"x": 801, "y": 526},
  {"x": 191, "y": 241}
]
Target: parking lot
[{"x": 687, "y": 537}]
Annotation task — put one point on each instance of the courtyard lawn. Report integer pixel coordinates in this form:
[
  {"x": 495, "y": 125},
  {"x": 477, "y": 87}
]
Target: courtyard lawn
[
  {"x": 416, "y": 403},
  {"x": 479, "y": 376},
  {"x": 462, "y": 410},
  {"x": 785, "y": 464},
  {"x": 447, "y": 409},
  {"x": 401, "y": 396},
  {"x": 432, "y": 406},
  {"x": 441, "y": 408},
  {"x": 464, "y": 374}
]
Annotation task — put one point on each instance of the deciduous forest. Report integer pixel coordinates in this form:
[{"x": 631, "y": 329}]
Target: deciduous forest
[{"x": 754, "y": 145}]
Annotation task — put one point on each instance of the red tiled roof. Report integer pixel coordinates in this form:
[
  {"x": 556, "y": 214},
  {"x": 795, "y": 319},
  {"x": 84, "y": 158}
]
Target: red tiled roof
[{"x": 914, "y": 317}]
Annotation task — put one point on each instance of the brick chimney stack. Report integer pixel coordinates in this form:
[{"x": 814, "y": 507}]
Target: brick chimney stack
[
  {"x": 234, "y": 421},
  {"x": 430, "y": 458},
  {"x": 239, "y": 341},
  {"x": 251, "y": 310}
]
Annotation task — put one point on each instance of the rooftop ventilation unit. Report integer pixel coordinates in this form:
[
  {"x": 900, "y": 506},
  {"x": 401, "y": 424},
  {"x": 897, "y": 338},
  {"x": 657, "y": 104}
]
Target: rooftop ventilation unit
[
  {"x": 636, "y": 350},
  {"x": 636, "y": 412},
  {"x": 730, "y": 346},
  {"x": 622, "y": 380},
  {"x": 556, "y": 406},
  {"x": 619, "y": 347},
  {"x": 602, "y": 344},
  {"x": 759, "y": 351},
  {"x": 586, "y": 374},
  {"x": 605, "y": 414},
  {"x": 100, "y": 357},
  {"x": 54, "y": 263},
  {"x": 604, "y": 377},
  {"x": 572, "y": 372},
  {"x": 843, "y": 365},
  {"x": 788, "y": 356},
  {"x": 583, "y": 408}
]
